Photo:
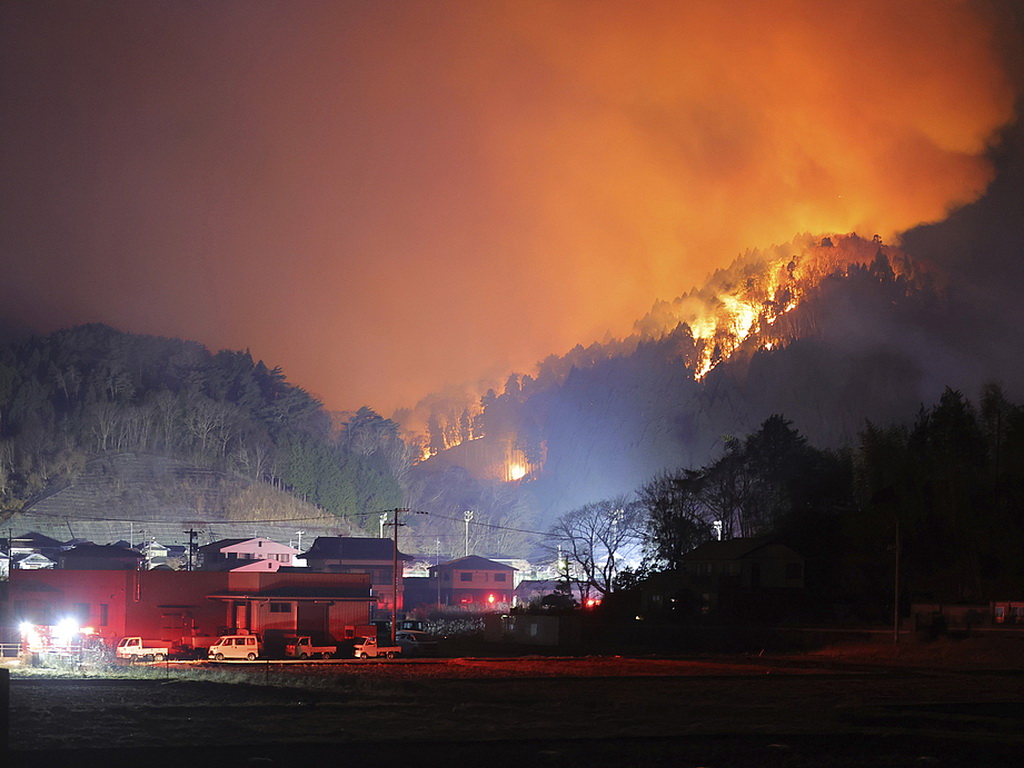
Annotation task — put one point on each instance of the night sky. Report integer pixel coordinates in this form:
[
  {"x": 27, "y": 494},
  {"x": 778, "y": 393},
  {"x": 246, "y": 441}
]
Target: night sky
[{"x": 382, "y": 197}]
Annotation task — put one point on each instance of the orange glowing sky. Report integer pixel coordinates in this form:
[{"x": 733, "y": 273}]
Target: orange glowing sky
[{"x": 384, "y": 197}]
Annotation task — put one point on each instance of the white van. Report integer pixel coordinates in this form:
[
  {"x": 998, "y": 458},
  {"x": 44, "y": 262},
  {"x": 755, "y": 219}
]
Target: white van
[{"x": 246, "y": 647}]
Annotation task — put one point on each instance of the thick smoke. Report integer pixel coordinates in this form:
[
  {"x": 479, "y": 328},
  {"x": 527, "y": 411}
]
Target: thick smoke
[{"x": 380, "y": 197}]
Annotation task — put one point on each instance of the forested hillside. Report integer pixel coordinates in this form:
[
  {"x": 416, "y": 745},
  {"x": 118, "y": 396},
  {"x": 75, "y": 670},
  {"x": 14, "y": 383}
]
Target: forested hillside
[
  {"x": 91, "y": 390},
  {"x": 830, "y": 332}
]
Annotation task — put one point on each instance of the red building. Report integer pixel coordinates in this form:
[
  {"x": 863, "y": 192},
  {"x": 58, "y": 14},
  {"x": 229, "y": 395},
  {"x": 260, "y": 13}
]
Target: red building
[{"x": 189, "y": 608}]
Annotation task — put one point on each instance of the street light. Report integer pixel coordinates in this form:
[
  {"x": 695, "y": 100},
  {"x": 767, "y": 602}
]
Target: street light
[{"x": 467, "y": 516}]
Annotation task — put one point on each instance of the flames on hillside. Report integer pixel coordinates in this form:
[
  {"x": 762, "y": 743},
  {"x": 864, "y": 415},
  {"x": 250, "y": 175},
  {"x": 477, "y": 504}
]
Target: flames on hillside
[
  {"x": 743, "y": 303},
  {"x": 740, "y": 307}
]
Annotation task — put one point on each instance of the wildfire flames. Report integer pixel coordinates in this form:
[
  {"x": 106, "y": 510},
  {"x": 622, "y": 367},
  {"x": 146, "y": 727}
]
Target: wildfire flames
[
  {"x": 744, "y": 301},
  {"x": 740, "y": 306}
]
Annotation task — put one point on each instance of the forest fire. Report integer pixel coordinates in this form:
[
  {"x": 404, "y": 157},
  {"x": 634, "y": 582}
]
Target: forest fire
[
  {"x": 744, "y": 301},
  {"x": 741, "y": 306},
  {"x": 516, "y": 471}
]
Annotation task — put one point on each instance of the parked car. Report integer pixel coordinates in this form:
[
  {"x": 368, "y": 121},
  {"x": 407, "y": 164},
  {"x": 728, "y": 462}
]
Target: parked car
[
  {"x": 417, "y": 625},
  {"x": 138, "y": 649},
  {"x": 303, "y": 648},
  {"x": 369, "y": 649},
  {"x": 415, "y": 643},
  {"x": 246, "y": 647}
]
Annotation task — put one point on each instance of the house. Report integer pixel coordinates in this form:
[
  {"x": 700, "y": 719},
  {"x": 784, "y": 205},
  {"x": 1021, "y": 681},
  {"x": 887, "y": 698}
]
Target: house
[
  {"x": 31, "y": 562},
  {"x": 745, "y": 577},
  {"x": 190, "y": 608},
  {"x": 33, "y": 542},
  {"x": 669, "y": 594},
  {"x": 228, "y": 554},
  {"x": 156, "y": 555},
  {"x": 474, "y": 581},
  {"x": 376, "y": 557},
  {"x": 96, "y": 557}
]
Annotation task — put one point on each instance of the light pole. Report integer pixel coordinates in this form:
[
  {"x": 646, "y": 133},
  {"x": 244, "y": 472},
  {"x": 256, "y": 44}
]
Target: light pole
[
  {"x": 467, "y": 516},
  {"x": 437, "y": 571}
]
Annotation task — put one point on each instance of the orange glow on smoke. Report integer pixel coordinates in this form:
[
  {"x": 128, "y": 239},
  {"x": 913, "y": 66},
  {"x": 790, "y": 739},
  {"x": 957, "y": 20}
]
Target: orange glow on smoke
[{"x": 525, "y": 175}]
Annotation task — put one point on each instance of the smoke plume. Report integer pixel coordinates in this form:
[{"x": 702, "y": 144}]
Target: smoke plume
[{"x": 381, "y": 197}]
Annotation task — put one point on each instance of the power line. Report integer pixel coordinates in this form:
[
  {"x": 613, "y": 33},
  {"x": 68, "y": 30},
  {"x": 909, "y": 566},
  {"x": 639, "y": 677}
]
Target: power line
[
  {"x": 549, "y": 534},
  {"x": 326, "y": 519},
  {"x": 59, "y": 516}
]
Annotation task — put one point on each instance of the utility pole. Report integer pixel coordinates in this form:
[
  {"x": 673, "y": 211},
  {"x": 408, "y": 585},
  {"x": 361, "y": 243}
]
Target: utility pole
[
  {"x": 896, "y": 594},
  {"x": 437, "y": 571},
  {"x": 394, "y": 580},
  {"x": 192, "y": 547},
  {"x": 394, "y": 569},
  {"x": 467, "y": 516}
]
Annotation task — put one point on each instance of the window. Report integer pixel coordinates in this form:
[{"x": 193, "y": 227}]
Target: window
[
  {"x": 104, "y": 614},
  {"x": 500, "y": 576},
  {"x": 280, "y": 607},
  {"x": 82, "y": 612},
  {"x": 466, "y": 576}
]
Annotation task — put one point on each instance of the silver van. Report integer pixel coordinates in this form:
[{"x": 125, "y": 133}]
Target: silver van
[{"x": 246, "y": 647}]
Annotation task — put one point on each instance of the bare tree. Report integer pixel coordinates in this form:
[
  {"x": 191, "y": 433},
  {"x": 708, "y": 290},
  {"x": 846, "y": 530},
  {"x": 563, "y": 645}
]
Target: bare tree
[
  {"x": 103, "y": 419},
  {"x": 595, "y": 539}
]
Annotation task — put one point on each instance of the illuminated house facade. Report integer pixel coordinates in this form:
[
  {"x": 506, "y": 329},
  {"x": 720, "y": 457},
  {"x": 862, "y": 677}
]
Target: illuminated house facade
[
  {"x": 184, "y": 607},
  {"x": 474, "y": 581},
  {"x": 228, "y": 554}
]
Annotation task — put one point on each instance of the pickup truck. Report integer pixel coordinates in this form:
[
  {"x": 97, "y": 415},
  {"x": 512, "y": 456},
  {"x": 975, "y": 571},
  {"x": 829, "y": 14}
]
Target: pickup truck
[
  {"x": 303, "y": 648},
  {"x": 368, "y": 649},
  {"x": 137, "y": 649}
]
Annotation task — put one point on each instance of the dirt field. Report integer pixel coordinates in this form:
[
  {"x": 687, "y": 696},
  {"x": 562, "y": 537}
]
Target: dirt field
[{"x": 941, "y": 705}]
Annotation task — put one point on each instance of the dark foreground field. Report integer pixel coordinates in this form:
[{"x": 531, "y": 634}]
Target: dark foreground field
[{"x": 935, "y": 707}]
